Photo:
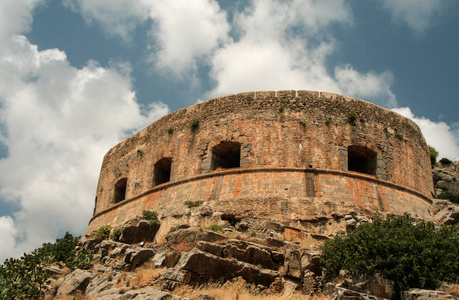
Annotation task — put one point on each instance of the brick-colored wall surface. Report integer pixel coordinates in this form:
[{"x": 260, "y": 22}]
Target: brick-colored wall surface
[{"x": 293, "y": 159}]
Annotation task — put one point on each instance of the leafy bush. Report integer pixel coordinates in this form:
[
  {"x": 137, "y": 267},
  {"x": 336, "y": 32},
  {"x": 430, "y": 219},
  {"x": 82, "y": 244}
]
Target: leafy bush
[
  {"x": 445, "y": 161},
  {"x": 170, "y": 130},
  {"x": 24, "y": 278},
  {"x": 412, "y": 255},
  {"x": 102, "y": 233},
  {"x": 191, "y": 204},
  {"x": 399, "y": 136},
  {"x": 116, "y": 234},
  {"x": 215, "y": 228},
  {"x": 194, "y": 124},
  {"x": 150, "y": 215},
  {"x": 302, "y": 123},
  {"x": 352, "y": 117},
  {"x": 281, "y": 109},
  {"x": 433, "y": 155},
  {"x": 328, "y": 121}
]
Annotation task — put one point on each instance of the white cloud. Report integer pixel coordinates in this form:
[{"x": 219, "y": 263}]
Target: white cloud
[
  {"x": 182, "y": 31},
  {"x": 285, "y": 45},
  {"x": 15, "y": 17},
  {"x": 417, "y": 14},
  {"x": 372, "y": 86},
  {"x": 437, "y": 134},
  {"x": 59, "y": 121},
  {"x": 186, "y": 31},
  {"x": 117, "y": 17},
  {"x": 7, "y": 236}
]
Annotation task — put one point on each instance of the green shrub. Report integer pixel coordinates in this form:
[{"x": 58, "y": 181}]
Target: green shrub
[
  {"x": 170, "y": 130},
  {"x": 24, "y": 278},
  {"x": 399, "y": 136},
  {"x": 150, "y": 215},
  {"x": 413, "y": 255},
  {"x": 191, "y": 204},
  {"x": 328, "y": 121},
  {"x": 352, "y": 117},
  {"x": 445, "y": 161},
  {"x": 433, "y": 155},
  {"x": 215, "y": 228},
  {"x": 194, "y": 124},
  {"x": 281, "y": 109},
  {"x": 102, "y": 233},
  {"x": 116, "y": 234},
  {"x": 302, "y": 123}
]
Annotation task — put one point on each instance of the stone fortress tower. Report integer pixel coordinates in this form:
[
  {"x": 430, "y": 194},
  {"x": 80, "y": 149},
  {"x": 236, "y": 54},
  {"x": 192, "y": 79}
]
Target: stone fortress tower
[{"x": 303, "y": 158}]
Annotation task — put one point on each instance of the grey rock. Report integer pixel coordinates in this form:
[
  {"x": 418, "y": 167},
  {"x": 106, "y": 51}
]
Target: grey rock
[
  {"x": 252, "y": 253},
  {"x": 139, "y": 231},
  {"x": 445, "y": 212},
  {"x": 159, "y": 259},
  {"x": 211, "y": 248},
  {"x": 420, "y": 294},
  {"x": 77, "y": 280},
  {"x": 138, "y": 256},
  {"x": 208, "y": 265}
]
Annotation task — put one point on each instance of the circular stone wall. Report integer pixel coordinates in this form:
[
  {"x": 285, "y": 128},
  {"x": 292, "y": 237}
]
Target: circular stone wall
[{"x": 291, "y": 156}]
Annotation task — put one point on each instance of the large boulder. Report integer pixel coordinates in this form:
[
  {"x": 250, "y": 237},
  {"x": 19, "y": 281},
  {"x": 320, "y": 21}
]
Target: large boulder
[
  {"x": 298, "y": 261},
  {"x": 420, "y": 294},
  {"x": 78, "y": 280},
  {"x": 445, "y": 212},
  {"x": 136, "y": 231},
  {"x": 186, "y": 239},
  {"x": 139, "y": 255},
  {"x": 207, "y": 265},
  {"x": 252, "y": 253}
]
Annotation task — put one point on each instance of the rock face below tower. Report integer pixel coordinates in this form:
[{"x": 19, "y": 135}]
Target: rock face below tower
[{"x": 302, "y": 158}]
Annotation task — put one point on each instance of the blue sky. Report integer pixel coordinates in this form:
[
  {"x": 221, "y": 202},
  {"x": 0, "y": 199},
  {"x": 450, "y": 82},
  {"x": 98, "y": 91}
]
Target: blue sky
[{"x": 78, "y": 76}]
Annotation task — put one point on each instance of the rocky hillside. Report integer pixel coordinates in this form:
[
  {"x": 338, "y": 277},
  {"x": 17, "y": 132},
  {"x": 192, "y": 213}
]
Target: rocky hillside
[{"x": 262, "y": 258}]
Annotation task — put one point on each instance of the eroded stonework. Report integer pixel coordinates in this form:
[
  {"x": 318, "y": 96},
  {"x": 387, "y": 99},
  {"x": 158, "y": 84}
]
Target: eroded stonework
[{"x": 303, "y": 158}]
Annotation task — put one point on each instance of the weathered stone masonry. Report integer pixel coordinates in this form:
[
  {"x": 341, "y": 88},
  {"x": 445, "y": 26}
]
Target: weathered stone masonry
[{"x": 290, "y": 156}]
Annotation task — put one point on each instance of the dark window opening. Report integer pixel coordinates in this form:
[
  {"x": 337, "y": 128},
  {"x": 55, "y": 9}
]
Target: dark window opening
[
  {"x": 120, "y": 190},
  {"x": 361, "y": 159},
  {"x": 226, "y": 155},
  {"x": 162, "y": 171}
]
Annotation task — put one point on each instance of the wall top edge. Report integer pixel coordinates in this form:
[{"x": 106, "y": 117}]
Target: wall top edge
[{"x": 275, "y": 95}]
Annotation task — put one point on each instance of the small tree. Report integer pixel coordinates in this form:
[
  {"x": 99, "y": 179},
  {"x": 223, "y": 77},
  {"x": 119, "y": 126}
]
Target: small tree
[{"x": 433, "y": 155}]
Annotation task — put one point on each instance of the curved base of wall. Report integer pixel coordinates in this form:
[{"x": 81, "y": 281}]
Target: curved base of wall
[{"x": 297, "y": 197}]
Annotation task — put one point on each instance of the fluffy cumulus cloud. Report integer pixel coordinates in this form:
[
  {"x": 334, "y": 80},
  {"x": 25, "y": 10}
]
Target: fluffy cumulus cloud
[
  {"x": 186, "y": 31},
  {"x": 15, "y": 17},
  {"x": 368, "y": 86},
  {"x": 285, "y": 45},
  {"x": 273, "y": 44},
  {"x": 417, "y": 14},
  {"x": 116, "y": 17},
  {"x": 182, "y": 31},
  {"x": 440, "y": 135},
  {"x": 57, "y": 122}
]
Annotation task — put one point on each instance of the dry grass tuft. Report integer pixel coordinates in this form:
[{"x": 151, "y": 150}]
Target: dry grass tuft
[
  {"x": 453, "y": 290},
  {"x": 238, "y": 291},
  {"x": 145, "y": 275}
]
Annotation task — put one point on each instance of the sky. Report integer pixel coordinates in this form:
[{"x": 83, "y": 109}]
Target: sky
[{"x": 79, "y": 76}]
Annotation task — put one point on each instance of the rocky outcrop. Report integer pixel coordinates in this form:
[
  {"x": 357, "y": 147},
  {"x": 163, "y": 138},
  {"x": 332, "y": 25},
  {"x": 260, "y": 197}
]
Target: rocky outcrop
[
  {"x": 265, "y": 255},
  {"x": 78, "y": 280},
  {"x": 445, "y": 212},
  {"x": 138, "y": 230}
]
